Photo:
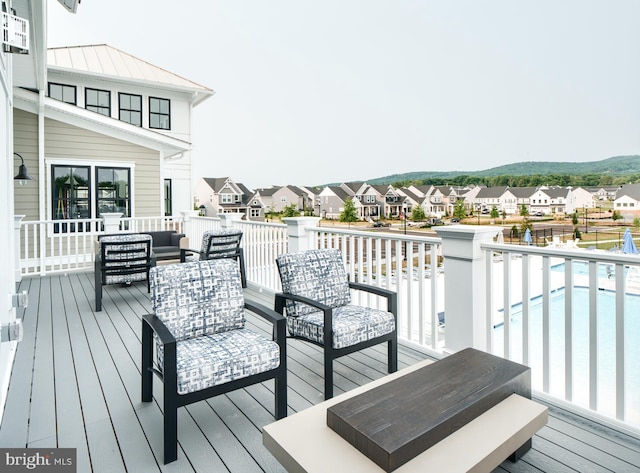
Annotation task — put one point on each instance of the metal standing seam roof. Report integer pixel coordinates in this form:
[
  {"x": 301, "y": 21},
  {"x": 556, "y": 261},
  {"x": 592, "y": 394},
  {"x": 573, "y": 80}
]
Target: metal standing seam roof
[{"x": 104, "y": 60}]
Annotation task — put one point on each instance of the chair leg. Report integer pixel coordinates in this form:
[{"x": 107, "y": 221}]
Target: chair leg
[
  {"x": 98, "y": 284},
  {"x": 147, "y": 363},
  {"x": 170, "y": 428},
  {"x": 392, "y": 347},
  {"x": 328, "y": 377},
  {"x": 281, "y": 394}
]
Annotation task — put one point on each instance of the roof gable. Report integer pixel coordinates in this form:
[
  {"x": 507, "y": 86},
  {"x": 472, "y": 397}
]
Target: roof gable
[{"x": 105, "y": 61}]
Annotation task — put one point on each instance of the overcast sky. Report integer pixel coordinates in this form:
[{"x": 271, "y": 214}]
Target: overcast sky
[{"x": 314, "y": 92}]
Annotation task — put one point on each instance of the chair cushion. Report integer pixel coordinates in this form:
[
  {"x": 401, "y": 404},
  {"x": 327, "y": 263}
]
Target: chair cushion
[
  {"x": 199, "y": 298},
  {"x": 136, "y": 244},
  {"x": 226, "y": 243},
  {"x": 351, "y": 325},
  {"x": 217, "y": 359},
  {"x": 316, "y": 274}
]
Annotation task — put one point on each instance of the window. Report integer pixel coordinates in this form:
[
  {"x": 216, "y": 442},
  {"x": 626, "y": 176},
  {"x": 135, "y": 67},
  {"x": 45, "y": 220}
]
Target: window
[
  {"x": 130, "y": 108},
  {"x": 283, "y": 199},
  {"x": 159, "y": 113},
  {"x": 63, "y": 93},
  {"x": 167, "y": 198},
  {"x": 255, "y": 213},
  {"x": 71, "y": 194},
  {"x": 98, "y": 101},
  {"x": 227, "y": 198},
  {"x": 113, "y": 191}
]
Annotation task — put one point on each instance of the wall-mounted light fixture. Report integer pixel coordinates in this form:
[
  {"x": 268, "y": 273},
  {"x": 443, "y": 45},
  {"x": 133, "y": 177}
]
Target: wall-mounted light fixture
[{"x": 23, "y": 175}]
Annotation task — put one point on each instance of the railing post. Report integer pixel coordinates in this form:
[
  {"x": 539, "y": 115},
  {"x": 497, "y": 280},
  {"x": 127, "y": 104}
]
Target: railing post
[
  {"x": 465, "y": 285},
  {"x": 17, "y": 223},
  {"x": 227, "y": 220},
  {"x": 298, "y": 231},
  {"x": 111, "y": 222}
]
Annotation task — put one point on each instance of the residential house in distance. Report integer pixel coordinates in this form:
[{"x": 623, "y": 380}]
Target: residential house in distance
[
  {"x": 331, "y": 201},
  {"x": 489, "y": 197},
  {"x": 214, "y": 196},
  {"x": 523, "y": 196},
  {"x": 581, "y": 198},
  {"x": 276, "y": 198},
  {"x": 627, "y": 201},
  {"x": 111, "y": 133}
]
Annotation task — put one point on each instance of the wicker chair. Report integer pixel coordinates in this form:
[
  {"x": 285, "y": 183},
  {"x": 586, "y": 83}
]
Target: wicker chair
[
  {"x": 317, "y": 297},
  {"x": 202, "y": 346}
]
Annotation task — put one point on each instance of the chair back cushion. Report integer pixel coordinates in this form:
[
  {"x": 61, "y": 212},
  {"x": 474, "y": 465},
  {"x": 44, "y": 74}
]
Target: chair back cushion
[
  {"x": 317, "y": 274},
  {"x": 125, "y": 258},
  {"x": 222, "y": 243},
  {"x": 198, "y": 298}
]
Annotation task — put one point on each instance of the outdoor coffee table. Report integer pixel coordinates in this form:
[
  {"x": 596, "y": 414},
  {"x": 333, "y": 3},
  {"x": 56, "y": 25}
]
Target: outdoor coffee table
[{"x": 304, "y": 442}]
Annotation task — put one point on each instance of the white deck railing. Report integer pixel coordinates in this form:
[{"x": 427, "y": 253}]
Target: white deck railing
[
  {"x": 572, "y": 315},
  {"x": 576, "y": 352},
  {"x": 55, "y": 246}
]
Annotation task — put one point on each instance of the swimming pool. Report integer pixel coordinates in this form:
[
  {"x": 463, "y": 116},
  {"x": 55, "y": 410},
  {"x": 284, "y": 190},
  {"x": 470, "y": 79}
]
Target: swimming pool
[{"x": 606, "y": 348}]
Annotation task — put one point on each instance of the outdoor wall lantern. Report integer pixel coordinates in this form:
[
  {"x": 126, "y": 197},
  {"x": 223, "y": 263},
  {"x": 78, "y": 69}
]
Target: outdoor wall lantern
[{"x": 23, "y": 175}]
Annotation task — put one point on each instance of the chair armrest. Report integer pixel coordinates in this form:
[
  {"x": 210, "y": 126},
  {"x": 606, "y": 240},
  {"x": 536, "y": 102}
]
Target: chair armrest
[
  {"x": 159, "y": 328},
  {"x": 391, "y": 296},
  {"x": 185, "y": 251},
  {"x": 278, "y": 321},
  {"x": 175, "y": 238},
  {"x": 327, "y": 312},
  {"x": 184, "y": 242},
  {"x": 282, "y": 296}
]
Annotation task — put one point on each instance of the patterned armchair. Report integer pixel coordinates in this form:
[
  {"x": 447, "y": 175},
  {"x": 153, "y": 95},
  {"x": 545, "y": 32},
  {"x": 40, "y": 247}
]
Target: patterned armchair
[
  {"x": 202, "y": 346},
  {"x": 223, "y": 243},
  {"x": 317, "y": 297},
  {"x": 122, "y": 259}
]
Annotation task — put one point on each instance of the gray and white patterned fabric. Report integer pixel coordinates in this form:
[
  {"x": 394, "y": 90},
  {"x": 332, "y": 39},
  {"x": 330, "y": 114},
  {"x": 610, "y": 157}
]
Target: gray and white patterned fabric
[
  {"x": 216, "y": 359},
  {"x": 127, "y": 242},
  {"x": 199, "y": 298},
  {"x": 202, "y": 305},
  {"x": 320, "y": 275},
  {"x": 231, "y": 235},
  {"x": 351, "y": 325},
  {"x": 316, "y": 274}
]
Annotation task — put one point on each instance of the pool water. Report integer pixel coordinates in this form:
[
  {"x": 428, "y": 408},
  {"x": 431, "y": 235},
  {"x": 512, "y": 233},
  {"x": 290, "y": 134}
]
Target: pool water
[{"x": 606, "y": 348}]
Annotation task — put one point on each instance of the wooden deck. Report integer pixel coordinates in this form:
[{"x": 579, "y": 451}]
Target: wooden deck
[{"x": 76, "y": 383}]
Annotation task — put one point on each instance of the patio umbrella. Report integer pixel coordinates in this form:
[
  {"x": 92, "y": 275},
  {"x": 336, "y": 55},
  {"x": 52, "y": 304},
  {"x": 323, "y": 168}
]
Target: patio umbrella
[
  {"x": 500, "y": 238},
  {"x": 629, "y": 246},
  {"x": 527, "y": 237}
]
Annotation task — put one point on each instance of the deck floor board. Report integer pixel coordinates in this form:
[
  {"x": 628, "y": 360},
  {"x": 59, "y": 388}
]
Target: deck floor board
[{"x": 76, "y": 383}]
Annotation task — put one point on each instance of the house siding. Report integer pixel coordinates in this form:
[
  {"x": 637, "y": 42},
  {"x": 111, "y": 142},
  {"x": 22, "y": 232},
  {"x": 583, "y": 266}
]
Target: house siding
[
  {"x": 66, "y": 141},
  {"x": 25, "y": 143}
]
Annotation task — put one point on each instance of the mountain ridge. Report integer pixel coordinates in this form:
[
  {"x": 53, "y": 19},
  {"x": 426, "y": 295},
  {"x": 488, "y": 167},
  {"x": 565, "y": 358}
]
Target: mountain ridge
[{"x": 615, "y": 166}]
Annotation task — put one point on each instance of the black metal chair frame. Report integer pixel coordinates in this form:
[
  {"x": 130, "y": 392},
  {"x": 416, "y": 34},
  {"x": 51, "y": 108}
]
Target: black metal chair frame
[
  {"x": 219, "y": 248},
  {"x": 120, "y": 265},
  {"x": 172, "y": 400},
  {"x": 331, "y": 353}
]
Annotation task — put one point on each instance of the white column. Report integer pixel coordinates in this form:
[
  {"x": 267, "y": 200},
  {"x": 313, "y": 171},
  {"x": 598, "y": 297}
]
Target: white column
[
  {"x": 298, "y": 231},
  {"x": 111, "y": 222},
  {"x": 226, "y": 220},
  {"x": 465, "y": 288},
  {"x": 17, "y": 222}
]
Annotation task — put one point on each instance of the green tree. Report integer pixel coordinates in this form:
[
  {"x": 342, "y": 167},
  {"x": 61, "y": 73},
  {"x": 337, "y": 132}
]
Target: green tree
[
  {"x": 524, "y": 211},
  {"x": 504, "y": 215},
  {"x": 636, "y": 222},
  {"x": 460, "y": 211},
  {"x": 417, "y": 214},
  {"x": 574, "y": 218},
  {"x": 349, "y": 213},
  {"x": 616, "y": 216},
  {"x": 495, "y": 213},
  {"x": 290, "y": 211}
]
